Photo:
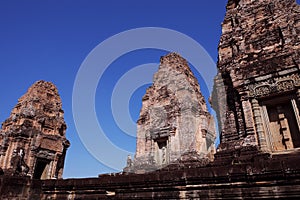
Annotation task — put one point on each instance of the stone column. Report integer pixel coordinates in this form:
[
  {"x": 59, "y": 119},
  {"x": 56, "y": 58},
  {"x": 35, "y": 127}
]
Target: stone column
[
  {"x": 248, "y": 115},
  {"x": 9, "y": 153},
  {"x": 51, "y": 170},
  {"x": 31, "y": 161},
  {"x": 296, "y": 108},
  {"x": 259, "y": 125}
]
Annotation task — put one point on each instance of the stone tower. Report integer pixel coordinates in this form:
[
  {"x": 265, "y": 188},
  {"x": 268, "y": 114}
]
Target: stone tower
[
  {"x": 174, "y": 122},
  {"x": 33, "y": 138},
  {"x": 257, "y": 90}
]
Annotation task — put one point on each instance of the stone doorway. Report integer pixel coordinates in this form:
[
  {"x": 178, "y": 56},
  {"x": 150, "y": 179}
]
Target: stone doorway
[
  {"x": 162, "y": 151},
  {"x": 281, "y": 117},
  {"x": 41, "y": 169}
]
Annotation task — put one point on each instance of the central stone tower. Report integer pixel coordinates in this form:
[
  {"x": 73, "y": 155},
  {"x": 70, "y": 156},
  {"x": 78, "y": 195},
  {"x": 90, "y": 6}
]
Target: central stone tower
[{"x": 174, "y": 122}]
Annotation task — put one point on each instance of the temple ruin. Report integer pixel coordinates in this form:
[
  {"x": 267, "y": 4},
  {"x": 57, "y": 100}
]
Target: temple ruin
[
  {"x": 257, "y": 99},
  {"x": 33, "y": 138},
  {"x": 174, "y": 122}
]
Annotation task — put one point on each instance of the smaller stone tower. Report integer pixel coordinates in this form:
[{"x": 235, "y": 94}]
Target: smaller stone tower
[
  {"x": 33, "y": 138},
  {"x": 174, "y": 122}
]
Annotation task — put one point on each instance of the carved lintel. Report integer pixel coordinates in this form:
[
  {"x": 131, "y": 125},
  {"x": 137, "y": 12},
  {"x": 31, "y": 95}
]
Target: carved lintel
[
  {"x": 274, "y": 85},
  {"x": 45, "y": 154},
  {"x": 286, "y": 85},
  {"x": 262, "y": 90},
  {"x": 161, "y": 133}
]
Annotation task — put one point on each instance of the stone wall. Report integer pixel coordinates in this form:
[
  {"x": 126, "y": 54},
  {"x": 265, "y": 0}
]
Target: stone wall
[
  {"x": 265, "y": 177},
  {"x": 20, "y": 188}
]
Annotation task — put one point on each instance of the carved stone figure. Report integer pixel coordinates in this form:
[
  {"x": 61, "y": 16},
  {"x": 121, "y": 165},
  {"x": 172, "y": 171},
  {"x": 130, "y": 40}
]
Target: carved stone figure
[
  {"x": 18, "y": 165},
  {"x": 129, "y": 161}
]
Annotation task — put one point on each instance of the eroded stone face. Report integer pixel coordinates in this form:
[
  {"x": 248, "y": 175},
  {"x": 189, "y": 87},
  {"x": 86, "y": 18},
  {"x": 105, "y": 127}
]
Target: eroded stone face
[
  {"x": 174, "y": 120},
  {"x": 33, "y": 138},
  {"x": 257, "y": 88}
]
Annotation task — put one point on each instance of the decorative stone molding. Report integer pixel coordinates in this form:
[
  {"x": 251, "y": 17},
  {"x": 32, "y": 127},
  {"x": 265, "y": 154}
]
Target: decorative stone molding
[
  {"x": 162, "y": 133},
  {"x": 45, "y": 154},
  {"x": 274, "y": 86}
]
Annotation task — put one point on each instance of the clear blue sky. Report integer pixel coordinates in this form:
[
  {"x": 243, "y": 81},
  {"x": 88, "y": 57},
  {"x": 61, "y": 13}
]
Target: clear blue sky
[{"x": 49, "y": 40}]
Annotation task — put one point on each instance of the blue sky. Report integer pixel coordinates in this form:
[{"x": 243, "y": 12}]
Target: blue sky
[{"x": 49, "y": 40}]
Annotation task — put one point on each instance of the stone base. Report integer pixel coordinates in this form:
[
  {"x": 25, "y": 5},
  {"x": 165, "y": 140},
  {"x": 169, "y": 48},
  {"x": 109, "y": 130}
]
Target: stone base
[{"x": 244, "y": 174}]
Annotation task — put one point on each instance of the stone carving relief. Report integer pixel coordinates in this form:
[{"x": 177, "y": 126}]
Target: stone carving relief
[
  {"x": 158, "y": 117},
  {"x": 46, "y": 154},
  {"x": 18, "y": 165},
  {"x": 275, "y": 85}
]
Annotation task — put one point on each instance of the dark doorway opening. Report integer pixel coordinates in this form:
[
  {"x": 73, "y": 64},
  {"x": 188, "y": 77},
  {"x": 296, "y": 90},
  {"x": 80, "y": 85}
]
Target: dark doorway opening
[{"x": 41, "y": 168}]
